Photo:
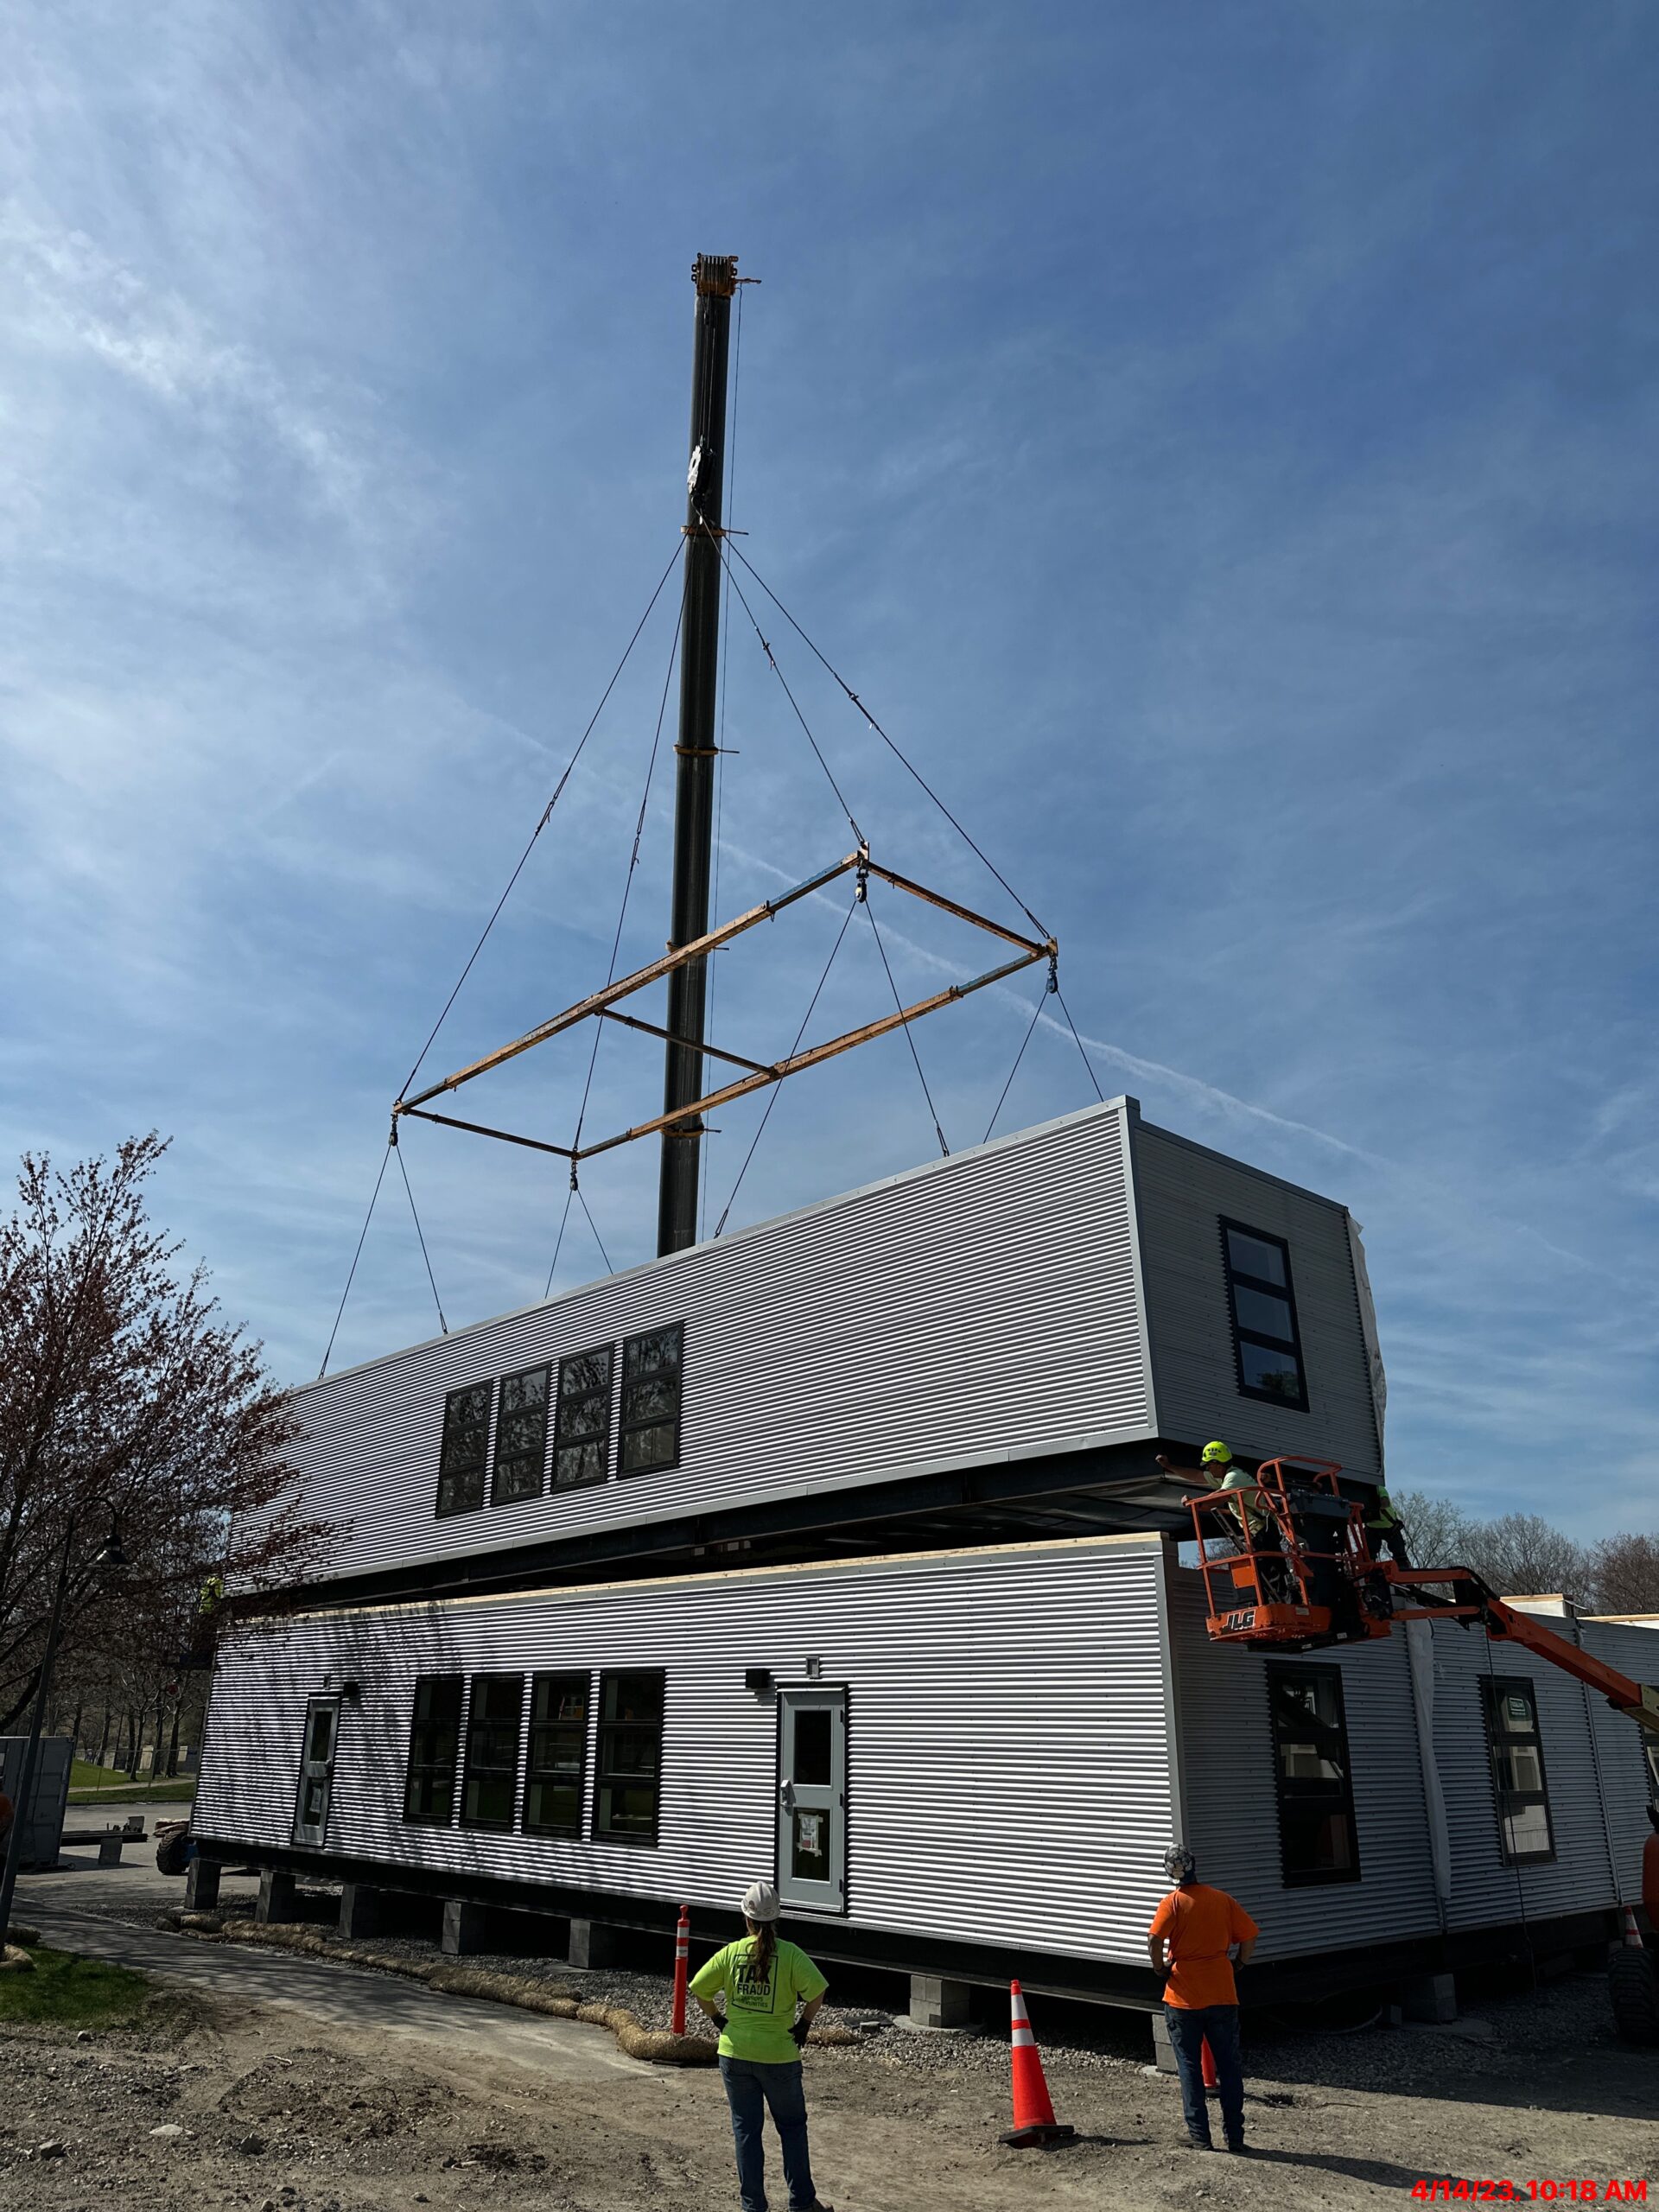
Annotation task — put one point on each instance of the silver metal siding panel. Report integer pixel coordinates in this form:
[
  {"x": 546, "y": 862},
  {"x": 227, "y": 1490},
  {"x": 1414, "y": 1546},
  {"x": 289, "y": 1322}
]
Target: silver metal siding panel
[
  {"x": 985, "y": 1308},
  {"x": 1009, "y": 1763},
  {"x": 1635, "y": 1651},
  {"x": 1232, "y": 1815},
  {"x": 1181, "y": 1192},
  {"x": 1485, "y": 1889}
]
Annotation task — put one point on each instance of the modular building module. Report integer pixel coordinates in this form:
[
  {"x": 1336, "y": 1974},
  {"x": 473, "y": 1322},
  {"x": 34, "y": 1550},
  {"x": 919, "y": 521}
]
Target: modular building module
[{"x": 836, "y": 1549}]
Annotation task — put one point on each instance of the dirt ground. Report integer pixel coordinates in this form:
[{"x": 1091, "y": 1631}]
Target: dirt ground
[{"x": 264, "y": 2107}]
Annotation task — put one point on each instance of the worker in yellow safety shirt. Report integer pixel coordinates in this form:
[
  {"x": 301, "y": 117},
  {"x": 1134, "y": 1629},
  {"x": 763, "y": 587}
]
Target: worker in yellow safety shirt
[
  {"x": 1384, "y": 1530},
  {"x": 1259, "y": 1531}
]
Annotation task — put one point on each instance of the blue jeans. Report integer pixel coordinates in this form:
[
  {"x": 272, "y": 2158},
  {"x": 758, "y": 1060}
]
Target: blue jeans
[
  {"x": 751, "y": 2086},
  {"x": 1189, "y": 2028}
]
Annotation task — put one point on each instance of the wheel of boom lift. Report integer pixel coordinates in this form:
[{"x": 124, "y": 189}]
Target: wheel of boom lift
[{"x": 1633, "y": 1986}]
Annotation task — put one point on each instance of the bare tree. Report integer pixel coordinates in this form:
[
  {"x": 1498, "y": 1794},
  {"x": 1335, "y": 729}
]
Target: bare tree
[
  {"x": 1625, "y": 1574},
  {"x": 1521, "y": 1556},
  {"x": 125, "y": 1394},
  {"x": 1441, "y": 1534}
]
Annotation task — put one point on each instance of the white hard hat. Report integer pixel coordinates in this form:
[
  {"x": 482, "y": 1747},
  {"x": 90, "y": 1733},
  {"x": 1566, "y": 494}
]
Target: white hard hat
[{"x": 760, "y": 1902}]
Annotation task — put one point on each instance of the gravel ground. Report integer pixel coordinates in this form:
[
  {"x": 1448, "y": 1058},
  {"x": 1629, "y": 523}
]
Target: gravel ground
[{"x": 208, "y": 2102}]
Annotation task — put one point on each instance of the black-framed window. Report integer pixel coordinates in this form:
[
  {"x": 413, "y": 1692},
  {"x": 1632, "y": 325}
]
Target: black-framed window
[
  {"x": 1262, "y": 1299},
  {"x": 1318, "y": 1839},
  {"x": 490, "y": 1789},
  {"x": 581, "y": 1428},
  {"x": 1526, "y": 1833},
  {"x": 558, "y": 1754},
  {"x": 434, "y": 1747},
  {"x": 465, "y": 1449},
  {"x": 653, "y": 1366},
  {"x": 520, "y": 1437},
  {"x": 629, "y": 1759}
]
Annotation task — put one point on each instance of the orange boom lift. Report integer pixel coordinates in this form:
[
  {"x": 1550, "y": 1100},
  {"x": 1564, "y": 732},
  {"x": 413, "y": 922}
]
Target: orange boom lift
[{"x": 1300, "y": 1575}]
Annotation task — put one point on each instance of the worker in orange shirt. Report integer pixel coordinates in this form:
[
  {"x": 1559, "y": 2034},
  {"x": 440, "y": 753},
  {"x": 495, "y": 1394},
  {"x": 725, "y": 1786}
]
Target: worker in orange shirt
[
  {"x": 1191, "y": 1933},
  {"x": 1650, "y": 1873}
]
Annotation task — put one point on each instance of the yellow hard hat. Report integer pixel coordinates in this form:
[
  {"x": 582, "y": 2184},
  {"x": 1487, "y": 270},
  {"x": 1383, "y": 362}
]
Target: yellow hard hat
[{"x": 1216, "y": 1450}]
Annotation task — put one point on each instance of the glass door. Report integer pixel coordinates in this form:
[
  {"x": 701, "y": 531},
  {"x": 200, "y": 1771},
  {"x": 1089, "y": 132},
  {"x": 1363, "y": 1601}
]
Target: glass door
[
  {"x": 812, "y": 1799},
  {"x": 316, "y": 1771}
]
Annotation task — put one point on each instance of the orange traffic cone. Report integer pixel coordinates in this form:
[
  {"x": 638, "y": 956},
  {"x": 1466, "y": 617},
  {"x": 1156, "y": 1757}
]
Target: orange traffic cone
[
  {"x": 1207, "y": 2065},
  {"x": 1632, "y": 1933},
  {"x": 1034, "y": 2112}
]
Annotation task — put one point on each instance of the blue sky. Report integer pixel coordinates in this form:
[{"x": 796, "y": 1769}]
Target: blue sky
[{"x": 1219, "y": 444}]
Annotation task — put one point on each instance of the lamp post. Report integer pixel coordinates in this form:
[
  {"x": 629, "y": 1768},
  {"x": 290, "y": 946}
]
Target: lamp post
[{"x": 110, "y": 1557}]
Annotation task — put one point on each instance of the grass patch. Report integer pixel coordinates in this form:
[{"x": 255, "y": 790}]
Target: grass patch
[
  {"x": 88, "y": 1783},
  {"x": 68, "y": 1991}
]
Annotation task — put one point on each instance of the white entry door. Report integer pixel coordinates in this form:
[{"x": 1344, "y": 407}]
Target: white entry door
[
  {"x": 812, "y": 1799},
  {"x": 316, "y": 1771}
]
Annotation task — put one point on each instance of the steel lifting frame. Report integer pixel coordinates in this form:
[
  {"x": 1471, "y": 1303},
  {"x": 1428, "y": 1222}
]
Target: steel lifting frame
[{"x": 600, "y": 1005}]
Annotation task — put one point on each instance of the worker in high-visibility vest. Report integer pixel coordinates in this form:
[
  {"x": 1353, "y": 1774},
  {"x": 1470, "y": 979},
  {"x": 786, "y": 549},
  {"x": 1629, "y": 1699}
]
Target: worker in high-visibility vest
[
  {"x": 1258, "y": 1530},
  {"x": 1384, "y": 1530}
]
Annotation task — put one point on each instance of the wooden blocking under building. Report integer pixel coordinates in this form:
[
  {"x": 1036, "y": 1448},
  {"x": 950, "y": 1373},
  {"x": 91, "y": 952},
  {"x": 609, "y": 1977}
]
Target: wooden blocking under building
[{"x": 201, "y": 1885}]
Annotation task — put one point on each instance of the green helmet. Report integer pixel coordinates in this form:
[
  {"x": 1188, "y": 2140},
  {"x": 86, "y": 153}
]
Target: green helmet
[{"x": 1214, "y": 1452}]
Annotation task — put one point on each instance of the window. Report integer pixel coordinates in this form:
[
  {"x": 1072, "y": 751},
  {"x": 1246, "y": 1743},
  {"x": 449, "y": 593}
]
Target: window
[
  {"x": 1316, "y": 1839},
  {"x": 651, "y": 1368},
  {"x": 1265, "y": 1340},
  {"x": 558, "y": 1754},
  {"x": 630, "y": 1758},
  {"x": 491, "y": 1783},
  {"x": 433, "y": 1743},
  {"x": 466, "y": 1442},
  {"x": 520, "y": 1437},
  {"x": 1523, "y": 1822},
  {"x": 581, "y": 1433}
]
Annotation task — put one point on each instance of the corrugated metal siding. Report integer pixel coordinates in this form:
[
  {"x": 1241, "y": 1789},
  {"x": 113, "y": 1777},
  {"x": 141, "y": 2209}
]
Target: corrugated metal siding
[
  {"x": 1485, "y": 1888},
  {"x": 1622, "y": 1745},
  {"x": 1009, "y": 1760},
  {"x": 1181, "y": 1193},
  {"x": 1232, "y": 1813},
  {"x": 987, "y": 1306},
  {"x": 1227, "y": 1775}
]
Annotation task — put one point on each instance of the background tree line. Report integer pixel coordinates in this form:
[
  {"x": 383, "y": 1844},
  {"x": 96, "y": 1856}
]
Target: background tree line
[{"x": 1521, "y": 1554}]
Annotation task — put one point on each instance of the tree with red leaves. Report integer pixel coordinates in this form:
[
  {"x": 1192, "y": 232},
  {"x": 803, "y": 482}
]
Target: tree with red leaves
[{"x": 125, "y": 1396}]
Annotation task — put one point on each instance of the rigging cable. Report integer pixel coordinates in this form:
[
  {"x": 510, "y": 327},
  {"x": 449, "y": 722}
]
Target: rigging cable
[
  {"x": 558, "y": 1242},
  {"x": 772, "y": 662},
  {"x": 593, "y": 1225},
  {"x": 351, "y": 1271},
  {"x": 1088, "y": 1065},
  {"x": 616, "y": 942},
  {"x": 545, "y": 817},
  {"x": 1036, "y": 1016},
  {"x": 886, "y": 740},
  {"x": 633, "y": 862},
  {"x": 773, "y": 1099},
  {"x": 403, "y": 1170},
  {"x": 909, "y": 1040}
]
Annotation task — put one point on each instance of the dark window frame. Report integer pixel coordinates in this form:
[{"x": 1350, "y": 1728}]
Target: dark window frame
[
  {"x": 608, "y": 1777},
  {"x": 533, "y": 1773},
  {"x": 1239, "y": 1279},
  {"x": 429, "y": 1766},
  {"x": 1507, "y": 1802},
  {"x": 504, "y": 1414},
  {"x": 563, "y": 1440},
  {"x": 474, "y": 1768},
  {"x": 1295, "y": 1797},
  {"x": 447, "y": 1511},
  {"x": 639, "y": 1425}
]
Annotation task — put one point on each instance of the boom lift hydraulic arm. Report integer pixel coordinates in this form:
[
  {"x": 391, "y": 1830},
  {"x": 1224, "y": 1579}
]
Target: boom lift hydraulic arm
[{"x": 1300, "y": 1574}]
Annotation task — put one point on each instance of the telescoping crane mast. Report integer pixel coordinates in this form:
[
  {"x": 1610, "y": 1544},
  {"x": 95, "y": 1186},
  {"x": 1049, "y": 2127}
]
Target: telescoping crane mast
[{"x": 1300, "y": 1575}]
